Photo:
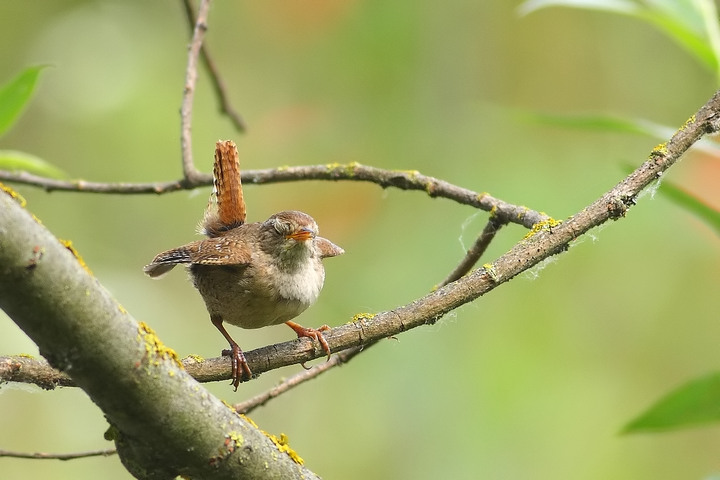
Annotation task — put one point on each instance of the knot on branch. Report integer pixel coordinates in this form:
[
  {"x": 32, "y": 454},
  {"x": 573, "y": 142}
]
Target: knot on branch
[{"x": 618, "y": 206}]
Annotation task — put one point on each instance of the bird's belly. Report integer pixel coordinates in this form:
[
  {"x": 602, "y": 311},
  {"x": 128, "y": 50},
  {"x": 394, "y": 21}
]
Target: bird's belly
[{"x": 252, "y": 301}]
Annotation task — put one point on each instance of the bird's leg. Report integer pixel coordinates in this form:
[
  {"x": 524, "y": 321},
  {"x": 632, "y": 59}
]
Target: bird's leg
[
  {"x": 314, "y": 333},
  {"x": 240, "y": 368}
]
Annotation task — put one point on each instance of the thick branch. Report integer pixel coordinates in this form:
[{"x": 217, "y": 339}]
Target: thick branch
[{"x": 164, "y": 423}]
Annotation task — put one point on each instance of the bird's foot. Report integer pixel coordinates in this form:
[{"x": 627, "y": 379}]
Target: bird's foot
[
  {"x": 313, "y": 333},
  {"x": 240, "y": 369}
]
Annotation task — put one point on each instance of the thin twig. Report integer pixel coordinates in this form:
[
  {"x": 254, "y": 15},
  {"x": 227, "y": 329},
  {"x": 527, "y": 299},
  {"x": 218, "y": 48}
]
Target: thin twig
[
  {"x": 189, "y": 171},
  {"x": 58, "y": 456},
  {"x": 338, "y": 359},
  {"x": 28, "y": 369},
  {"x": 217, "y": 82},
  {"x": 402, "y": 179},
  {"x": 475, "y": 252}
]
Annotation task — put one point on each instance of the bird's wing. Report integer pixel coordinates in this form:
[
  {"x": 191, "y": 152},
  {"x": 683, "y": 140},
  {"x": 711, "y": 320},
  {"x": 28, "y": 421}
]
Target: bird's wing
[{"x": 212, "y": 251}]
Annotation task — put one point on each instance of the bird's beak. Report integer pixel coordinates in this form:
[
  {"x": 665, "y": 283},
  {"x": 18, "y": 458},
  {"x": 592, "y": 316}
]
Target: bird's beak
[{"x": 301, "y": 235}]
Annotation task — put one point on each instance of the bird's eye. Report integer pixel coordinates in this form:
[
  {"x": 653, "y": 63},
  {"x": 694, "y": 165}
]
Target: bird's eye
[{"x": 283, "y": 228}]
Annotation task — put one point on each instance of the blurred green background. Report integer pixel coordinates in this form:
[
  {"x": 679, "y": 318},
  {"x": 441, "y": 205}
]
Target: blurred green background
[{"x": 532, "y": 381}]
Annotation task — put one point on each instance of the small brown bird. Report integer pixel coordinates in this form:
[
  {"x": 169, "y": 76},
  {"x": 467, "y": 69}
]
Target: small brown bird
[{"x": 251, "y": 274}]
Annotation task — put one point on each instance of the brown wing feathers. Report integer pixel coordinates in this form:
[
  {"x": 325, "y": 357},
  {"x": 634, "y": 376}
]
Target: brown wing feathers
[{"x": 226, "y": 210}]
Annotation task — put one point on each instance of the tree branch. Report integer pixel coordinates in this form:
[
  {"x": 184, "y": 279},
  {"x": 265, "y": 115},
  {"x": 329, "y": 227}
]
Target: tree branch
[
  {"x": 402, "y": 179},
  {"x": 475, "y": 252},
  {"x": 58, "y": 456},
  {"x": 217, "y": 83},
  {"x": 190, "y": 173},
  {"x": 334, "y": 361}
]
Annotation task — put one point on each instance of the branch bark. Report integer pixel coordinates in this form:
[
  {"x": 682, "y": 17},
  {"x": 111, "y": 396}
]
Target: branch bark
[{"x": 503, "y": 212}]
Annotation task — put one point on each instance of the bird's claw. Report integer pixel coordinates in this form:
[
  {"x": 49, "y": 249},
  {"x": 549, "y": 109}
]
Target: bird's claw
[
  {"x": 314, "y": 334},
  {"x": 240, "y": 369}
]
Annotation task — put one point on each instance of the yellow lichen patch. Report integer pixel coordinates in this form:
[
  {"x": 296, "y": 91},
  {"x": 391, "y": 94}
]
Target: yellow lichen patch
[
  {"x": 348, "y": 169},
  {"x": 490, "y": 269},
  {"x": 334, "y": 166},
  {"x": 196, "y": 358},
  {"x": 68, "y": 244},
  {"x": 13, "y": 194},
  {"x": 413, "y": 174},
  {"x": 236, "y": 438},
  {"x": 282, "y": 168},
  {"x": 282, "y": 445},
  {"x": 249, "y": 420},
  {"x": 522, "y": 212},
  {"x": 25, "y": 355},
  {"x": 362, "y": 316},
  {"x": 544, "y": 225},
  {"x": 660, "y": 149},
  {"x": 687, "y": 123},
  {"x": 231, "y": 442},
  {"x": 155, "y": 348}
]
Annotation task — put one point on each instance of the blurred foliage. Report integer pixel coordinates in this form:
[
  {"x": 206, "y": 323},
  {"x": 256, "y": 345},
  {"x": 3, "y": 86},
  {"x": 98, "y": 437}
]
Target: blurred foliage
[
  {"x": 15, "y": 94},
  {"x": 696, "y": 206},
  {"x": 695, "y": 25},
  {"x": 693, "y": 404},
  {"x": 533, "y": 380},
  {"x": 691, "y": 23}
]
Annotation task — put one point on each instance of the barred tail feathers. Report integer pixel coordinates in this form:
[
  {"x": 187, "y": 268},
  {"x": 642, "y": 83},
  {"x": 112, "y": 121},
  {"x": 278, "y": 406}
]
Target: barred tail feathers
[{"x": 226, "y": 208}]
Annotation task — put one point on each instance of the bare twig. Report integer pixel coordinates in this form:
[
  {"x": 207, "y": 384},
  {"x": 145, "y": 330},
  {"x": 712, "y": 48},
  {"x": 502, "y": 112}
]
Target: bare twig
[
  {"x": 191, "y": 173},
  {"x": 336, "y": 360},
  {"x": 58, "y": 456},
  {"x": 27, "y": 369},
  {"x": 475, "y": 252},
  {"x": 402, "y": 179},
  {"x": 217, "y": 83}
]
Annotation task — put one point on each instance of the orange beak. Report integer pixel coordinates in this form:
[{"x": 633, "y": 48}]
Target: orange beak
[{"x": 301, "y": 235}]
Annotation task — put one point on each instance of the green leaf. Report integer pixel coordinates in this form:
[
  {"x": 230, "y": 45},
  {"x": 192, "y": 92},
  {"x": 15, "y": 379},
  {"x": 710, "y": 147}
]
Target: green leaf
[
  {"x": 709, "y": 14},
  {"x": 613, "y": 123},
  {"x": 625, "y": 7},
  {"x": 694, "y": 205},
  {"x": 695, "y": 403},
  {"x": 600, "y": 122},
  {"x": 15, "y": 94},
  {"x": 686, "y": 24},
  {"x": 20, "y": 161}
]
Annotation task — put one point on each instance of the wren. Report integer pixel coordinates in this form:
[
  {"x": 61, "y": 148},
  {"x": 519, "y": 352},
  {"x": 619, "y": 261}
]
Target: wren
[{"x": 251, "y": 275}]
